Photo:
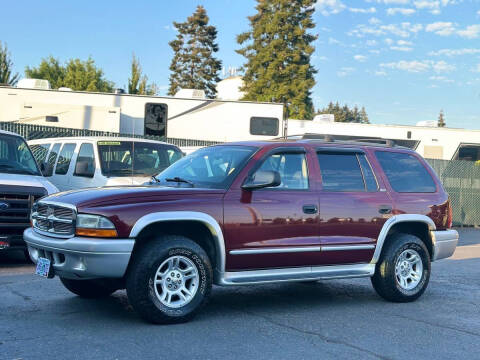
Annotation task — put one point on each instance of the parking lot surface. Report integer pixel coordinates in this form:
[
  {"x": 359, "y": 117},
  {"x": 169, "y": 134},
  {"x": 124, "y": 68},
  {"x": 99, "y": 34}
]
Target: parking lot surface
[{"x": 338, "y": 319}]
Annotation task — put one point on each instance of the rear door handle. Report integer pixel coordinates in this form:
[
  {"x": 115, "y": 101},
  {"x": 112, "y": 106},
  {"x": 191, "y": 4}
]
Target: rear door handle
[
  {"x": 310, "y": 209},
  {"x": 385, "y": 209}
]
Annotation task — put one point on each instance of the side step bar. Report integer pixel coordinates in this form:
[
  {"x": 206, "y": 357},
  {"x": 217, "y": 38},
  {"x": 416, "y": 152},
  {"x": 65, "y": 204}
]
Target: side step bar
[{"x": 297, "y": 274}]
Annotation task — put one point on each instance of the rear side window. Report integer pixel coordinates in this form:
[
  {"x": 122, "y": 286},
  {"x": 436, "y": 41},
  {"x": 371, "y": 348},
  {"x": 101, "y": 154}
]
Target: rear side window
[
  {"x": 405, "y": 173},
  {"x": 340, "y": 172},
  {"x": 368, "y": 176},
  {"x": 64, "y": 159},
  {"x": 40, "y": 152}
]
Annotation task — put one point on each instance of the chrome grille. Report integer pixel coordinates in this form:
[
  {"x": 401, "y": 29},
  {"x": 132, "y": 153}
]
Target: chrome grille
[{"x": 54, "y": 219}]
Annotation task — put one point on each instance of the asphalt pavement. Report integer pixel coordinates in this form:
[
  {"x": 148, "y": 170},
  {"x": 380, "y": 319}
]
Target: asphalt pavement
[{"x": 337, "y": 319}]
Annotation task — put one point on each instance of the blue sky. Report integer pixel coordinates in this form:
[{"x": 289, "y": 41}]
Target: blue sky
[{"x": 403, "y": 60}]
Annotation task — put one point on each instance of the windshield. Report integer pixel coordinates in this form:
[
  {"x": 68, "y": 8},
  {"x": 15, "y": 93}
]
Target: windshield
[
  {"x": 16, "y": 157},
  {"x": 213, "y": 167},
  {"x": 148, "y": 158}
]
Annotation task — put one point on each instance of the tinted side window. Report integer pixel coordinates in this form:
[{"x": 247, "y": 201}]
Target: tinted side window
[
  {"x": 85, "y": 165},
  {"x": 264, "y": 126},
  {"x": 64, "y": 159},
  {"x": 340, "y": 172},
  {"x": 405, "y": 173},
  {"x": 52, "y": 157},
  {"x": 292, "y": 168},
  {"x": 368, "y": 176},
  {"x": 40, "y": 152}
]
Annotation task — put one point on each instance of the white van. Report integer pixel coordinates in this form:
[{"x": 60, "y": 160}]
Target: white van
[
  {"x": 82, "y": 162},
  {"x": 21, "y": 183}
]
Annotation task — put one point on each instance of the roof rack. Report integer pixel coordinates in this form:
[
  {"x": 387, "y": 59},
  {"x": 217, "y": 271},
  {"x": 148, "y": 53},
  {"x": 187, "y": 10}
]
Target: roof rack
[{"x": 338, "y": 138}]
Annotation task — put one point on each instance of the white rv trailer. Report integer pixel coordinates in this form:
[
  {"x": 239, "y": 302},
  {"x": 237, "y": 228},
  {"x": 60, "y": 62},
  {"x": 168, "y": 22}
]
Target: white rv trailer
[
  {"x": 194, "y": 118},
  {"x": 430, "y": 142}
]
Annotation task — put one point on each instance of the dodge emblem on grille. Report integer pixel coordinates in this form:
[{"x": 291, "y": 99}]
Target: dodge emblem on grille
[{"x": 4, "y": 205}]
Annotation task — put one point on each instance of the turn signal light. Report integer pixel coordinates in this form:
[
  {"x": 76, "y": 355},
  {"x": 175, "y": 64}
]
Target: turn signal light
[{"x": 105, "y": 233}]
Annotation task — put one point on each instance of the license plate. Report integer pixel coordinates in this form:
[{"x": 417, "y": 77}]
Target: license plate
[{"x": 43, "y": 267}]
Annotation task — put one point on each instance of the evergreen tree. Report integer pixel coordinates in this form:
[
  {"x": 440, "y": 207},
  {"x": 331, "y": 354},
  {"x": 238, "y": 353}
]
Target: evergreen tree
[
  {"x": 76, "y": 74},
  {"x": 193, "y": 65},
  {"x": 6, "y": 67},
  {"x": 278, "y": 51},
  {"x": 49, "y": 69},
  {"x": 137, "y": 83},
  {"x": 363, "y": 116},
  {"x": 441, "y": 119},
  {"x": 345, "y": 114}
]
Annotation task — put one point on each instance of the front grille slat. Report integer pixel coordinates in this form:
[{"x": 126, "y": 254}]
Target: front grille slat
[{"x": 54, "y": 219}]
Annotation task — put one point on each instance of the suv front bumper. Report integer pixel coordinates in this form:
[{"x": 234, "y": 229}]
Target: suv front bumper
[
  {"x": 444, "y": 243},
  {"x": 81, "y": 257}
]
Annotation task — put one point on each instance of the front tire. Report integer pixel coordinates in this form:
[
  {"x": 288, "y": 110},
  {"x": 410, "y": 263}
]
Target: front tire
[
  {"x": 169, "y": 280},
  {"x": 90, "y": 289},
  {"x": 403, "y": 271}
]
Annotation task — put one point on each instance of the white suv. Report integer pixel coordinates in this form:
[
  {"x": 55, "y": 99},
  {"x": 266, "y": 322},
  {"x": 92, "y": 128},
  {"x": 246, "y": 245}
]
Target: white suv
[{"x": 82, "y": 162}]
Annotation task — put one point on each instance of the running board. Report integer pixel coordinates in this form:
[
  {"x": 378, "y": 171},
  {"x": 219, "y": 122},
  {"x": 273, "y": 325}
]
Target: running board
[{"x": 297, "y": 274}]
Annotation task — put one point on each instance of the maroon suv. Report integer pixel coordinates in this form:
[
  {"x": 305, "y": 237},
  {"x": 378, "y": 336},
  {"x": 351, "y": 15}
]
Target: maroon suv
[{"x": 250, "y": 213}]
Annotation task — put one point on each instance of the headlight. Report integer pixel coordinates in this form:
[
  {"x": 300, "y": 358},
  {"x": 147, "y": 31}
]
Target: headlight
[{"x": 94, "y": 225}]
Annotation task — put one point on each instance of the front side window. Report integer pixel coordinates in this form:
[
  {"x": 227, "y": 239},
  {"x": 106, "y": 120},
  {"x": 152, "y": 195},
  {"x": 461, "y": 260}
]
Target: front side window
[
  {"x": 52, "y": 157},
  {"x": 156, "y": 119},
  {"x": 40, "y": 152},
  {"x": 85, "y": 165},
  {"x": 16, "y": 157},
  {"x": 214, "y": 167},
  {"x": 341, "y": 172},
  {"x": 292, "y": 168},
  {"x": 264, "y": 126},
  {"x": 128, "y": 158},
  {"x": 64, "y": 159},
  {"x": 405, "y": 173}
]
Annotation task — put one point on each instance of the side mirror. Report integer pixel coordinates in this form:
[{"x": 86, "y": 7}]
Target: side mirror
[
  {"x": 46, "y": 169},
  {"x": 262, "y": 179},
  {"x": 85, "y": 169}
]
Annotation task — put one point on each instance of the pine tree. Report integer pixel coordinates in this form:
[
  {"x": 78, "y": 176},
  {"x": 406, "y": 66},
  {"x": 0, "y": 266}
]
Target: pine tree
[
  {"x": 193, "y": 65},
  {"x": 363, "y": 116},
  {"x": 278, "y": 51},
  {"x": 6, "y": 65},
  {"x": 441, "y": 119},
  {"x": 137, "y": 83}
]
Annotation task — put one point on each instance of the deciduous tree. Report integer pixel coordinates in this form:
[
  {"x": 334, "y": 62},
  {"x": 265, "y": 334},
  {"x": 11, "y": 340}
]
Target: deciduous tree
[
  {"x": 193, "y": 65},
  {"x": 137, "y": 83},
  {"x": 49, "y": 69},
  {"x": 278, "y": 48}
]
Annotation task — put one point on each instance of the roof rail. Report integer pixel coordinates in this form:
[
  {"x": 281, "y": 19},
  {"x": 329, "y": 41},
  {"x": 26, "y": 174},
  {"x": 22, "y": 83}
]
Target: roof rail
[{"x": 338, "y": 138}]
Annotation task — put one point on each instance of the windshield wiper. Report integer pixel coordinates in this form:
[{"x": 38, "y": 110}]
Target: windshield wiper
[
  {"x": 180, "y": 180},
  {"x": 154, "y": 178}
]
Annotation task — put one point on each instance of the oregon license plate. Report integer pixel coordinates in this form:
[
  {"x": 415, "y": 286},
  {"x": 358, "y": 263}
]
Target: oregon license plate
[{"x": 43, "y": 267}]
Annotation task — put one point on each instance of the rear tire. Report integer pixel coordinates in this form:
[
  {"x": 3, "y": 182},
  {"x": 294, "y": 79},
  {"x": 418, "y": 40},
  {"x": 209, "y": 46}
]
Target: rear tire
[
  {"x": 169, "y": 280},
  {"x": 91, "y": 289},
  {"x": 403, "y": 270}
]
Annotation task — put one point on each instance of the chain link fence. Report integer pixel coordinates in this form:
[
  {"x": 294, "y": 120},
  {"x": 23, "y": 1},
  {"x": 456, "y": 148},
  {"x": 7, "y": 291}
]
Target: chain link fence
[
  {"x": 32, "y": 132},
  {"x": 461, "y": 180}
]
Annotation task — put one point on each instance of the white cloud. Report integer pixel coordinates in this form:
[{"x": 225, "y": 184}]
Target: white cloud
[
  {"x": 372, "y": 42},
  {"x": 380, "y": 73},
  {"x": 478, "y": 12},
  {"x": 441, "y": 28},
  {"x": 404, "y": 43},
  {"x": 389, "y": 41},
  {"x": 402, "y": 11},
  {"x": 401, "y": 48},
  {"x": 471, "y": 32},
  {"x": 374, "y": 21},
  {"x": 454, "y": 52},
  {"x": 360, "y": 58},
  {"x": 371, "y": 10},
  {"x": 334, "y": 41},
  {"x": 441, "y": 78},
  {"x": 344, "y": 71},
  {"x": 404, "y": 30},
  {"x": 375, "y": 51},
  {"x": 417, "y": 66},
  {"x": 391, "y": 2},
  {"x": 329, "y": 7}
]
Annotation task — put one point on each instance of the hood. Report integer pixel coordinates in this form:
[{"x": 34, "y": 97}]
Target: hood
[
  {"x": 135, "y": 180},
  {"x": 112, "y": 195},
  {"x": 27, "y": 180}
]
